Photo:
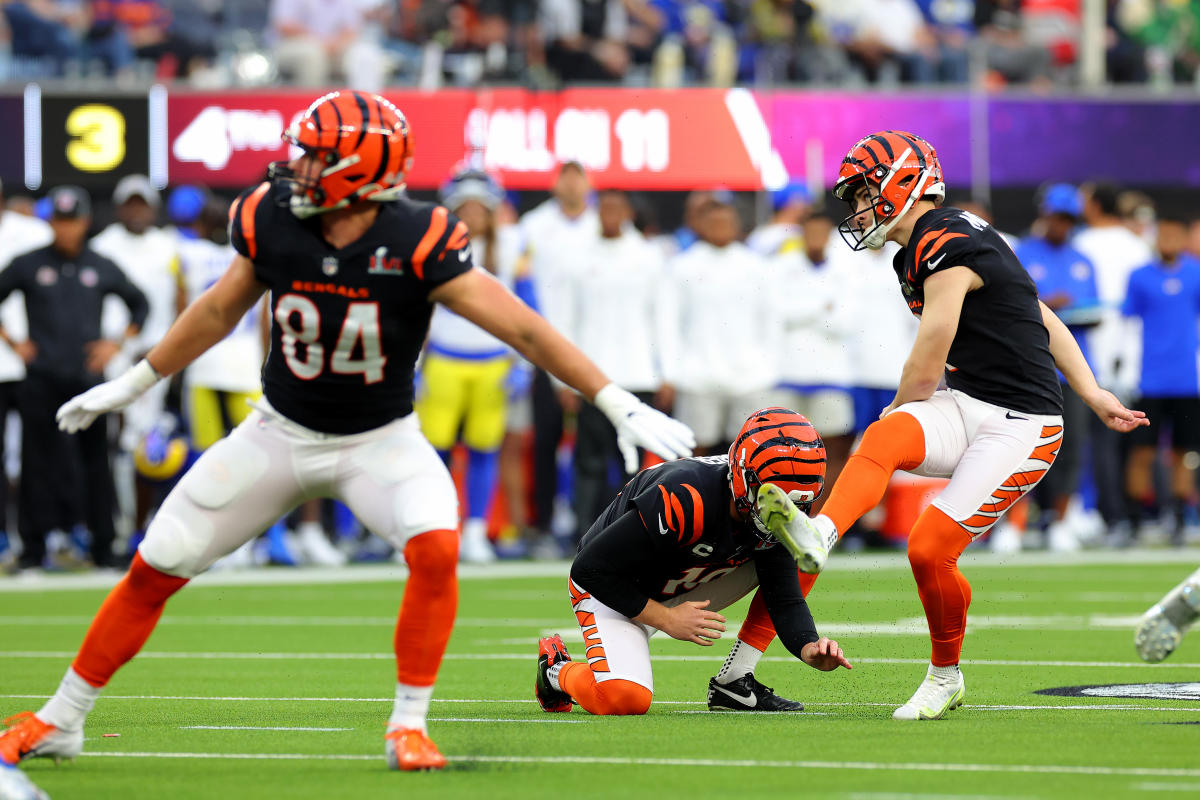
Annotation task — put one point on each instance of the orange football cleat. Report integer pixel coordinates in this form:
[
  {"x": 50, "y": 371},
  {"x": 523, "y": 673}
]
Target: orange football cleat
[
  {"x": 411, "y": 749},
  {"x": 551, "y": 651},
  {"x": 28, "y": 737}
]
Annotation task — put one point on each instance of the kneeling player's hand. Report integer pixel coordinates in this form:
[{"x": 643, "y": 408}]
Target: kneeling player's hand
[
  {"x": 81, "y": 410},
  {"x": 689, "y": 622},
  {"x": 825, "y": 655}
]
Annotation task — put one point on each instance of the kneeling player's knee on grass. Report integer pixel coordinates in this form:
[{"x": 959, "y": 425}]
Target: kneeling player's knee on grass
[
  {"x": 434, "y": 553},
  {"x": 622, "y": 698}
]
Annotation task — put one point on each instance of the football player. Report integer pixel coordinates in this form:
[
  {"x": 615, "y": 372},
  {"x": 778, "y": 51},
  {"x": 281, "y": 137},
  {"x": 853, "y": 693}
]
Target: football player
[
  {"x": 1162, "y": 627},
  {"x": 682, "y": 541},
  {"x": 354, "y": 269},
  {"x": 994, "y": 432}
]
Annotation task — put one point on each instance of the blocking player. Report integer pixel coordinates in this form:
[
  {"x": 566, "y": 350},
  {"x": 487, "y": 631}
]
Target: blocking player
[
  {"x": 353, "y": 269},
  {"x": 994, "y": 432},
  {"x": 682, "y": 541}
]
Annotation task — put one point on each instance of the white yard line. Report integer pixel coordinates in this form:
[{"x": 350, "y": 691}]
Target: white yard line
[
  {"x": 869, "y": 766},
  {"x": 392, "y": 573},
  {"x": 251, "y": 656},
  {"x": 258, "y": 728},
  {"x": 1193, "y": 709}
]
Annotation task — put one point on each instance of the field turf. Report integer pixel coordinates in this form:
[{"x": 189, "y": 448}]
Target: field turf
[{"x": 277, "y": 684}]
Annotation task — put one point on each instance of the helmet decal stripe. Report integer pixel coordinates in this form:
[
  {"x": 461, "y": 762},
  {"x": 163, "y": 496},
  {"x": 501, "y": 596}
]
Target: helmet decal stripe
[
  {"x": 385, "y": 142},
  {"x": 916, "y": 148},
  {"x": 361, "y": 102}
]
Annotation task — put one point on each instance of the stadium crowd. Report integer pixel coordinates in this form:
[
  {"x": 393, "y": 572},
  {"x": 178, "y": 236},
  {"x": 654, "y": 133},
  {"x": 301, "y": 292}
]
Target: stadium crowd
[
  {"x": 821, "y": 333},
  {"x": 545, "y": 43}
]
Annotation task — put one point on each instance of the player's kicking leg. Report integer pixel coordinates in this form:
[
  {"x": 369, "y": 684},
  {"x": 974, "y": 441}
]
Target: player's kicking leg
[
  {"x": 1163, "y": 626},
  {"x": 808, "y": 540},
  {"x": 397, "y": 486},
  {"x": 227, "y": 497}
]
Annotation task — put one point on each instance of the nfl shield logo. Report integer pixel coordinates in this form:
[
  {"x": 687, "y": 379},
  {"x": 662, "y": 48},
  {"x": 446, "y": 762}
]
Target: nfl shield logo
[{"x": 329, "y": 265}]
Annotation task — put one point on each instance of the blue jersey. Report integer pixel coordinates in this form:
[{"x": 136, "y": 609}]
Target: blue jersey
[
  {"x": 1063, "y": 270},
  {"x": 1167, "y": 299}
]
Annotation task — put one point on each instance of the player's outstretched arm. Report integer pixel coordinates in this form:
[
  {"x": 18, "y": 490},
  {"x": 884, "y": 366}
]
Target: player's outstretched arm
[
  {"x": 944, "y": 293},
  {"x": 1070, "y": 361},
  {"x": 200, "y": 326},
  {"x": 480, "y": 298}
]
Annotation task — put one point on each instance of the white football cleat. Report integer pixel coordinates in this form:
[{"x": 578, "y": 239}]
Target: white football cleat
[
  {"x": 808, "y": 540},
  {"x": 16, "y": 785},
  {"x": 474, "y": 547},
  {"x": 315, "y": 546},
  {"x": 934, "y": 697},
  {"x": 1163, "y": 626}
]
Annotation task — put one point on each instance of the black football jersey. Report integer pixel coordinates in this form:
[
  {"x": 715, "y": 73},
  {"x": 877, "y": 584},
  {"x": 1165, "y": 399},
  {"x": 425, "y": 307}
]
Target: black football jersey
[
  {"x": 347, "y": 323},
  {"x": 1001, "y": 351},
  {"x": 684, "y": 507}
]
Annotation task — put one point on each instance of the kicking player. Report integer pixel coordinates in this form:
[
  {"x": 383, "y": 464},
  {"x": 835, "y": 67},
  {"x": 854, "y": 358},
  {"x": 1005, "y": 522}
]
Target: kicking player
[
  {"x": 994, "y": 432},
  {"x": 1164, "y": 624},
  {"x": 682, "y": 541},
  {"x": 353, "y": 269}
]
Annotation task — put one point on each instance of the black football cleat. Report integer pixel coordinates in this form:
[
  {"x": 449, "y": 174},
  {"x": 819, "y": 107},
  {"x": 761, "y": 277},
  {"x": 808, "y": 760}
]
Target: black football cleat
[
  {"x": 747, "y": 694},
  {"x": 551, "y": 651}
]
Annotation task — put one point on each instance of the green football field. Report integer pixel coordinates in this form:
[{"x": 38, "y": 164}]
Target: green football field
[{"x": 277, "y": 684}]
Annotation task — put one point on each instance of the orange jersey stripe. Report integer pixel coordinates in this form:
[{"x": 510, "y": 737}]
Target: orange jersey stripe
[
  {"x": 437, "y": 226},
  {"x": 926, "y": 239},
  {"x": 249, "y": 206},
  {"x": 458, "y": 237},
  {"x": 666, "y": 496},
  {"x": 697, "y": 514},
  {"x": 942, "y": 240}
]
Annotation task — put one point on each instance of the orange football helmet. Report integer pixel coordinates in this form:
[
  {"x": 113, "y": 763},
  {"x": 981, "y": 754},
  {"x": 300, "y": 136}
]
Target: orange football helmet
[
  {"x": 897, "y": 169},
  {"x": 363, "y": 146},
  {"x": 779, "y": 446}
]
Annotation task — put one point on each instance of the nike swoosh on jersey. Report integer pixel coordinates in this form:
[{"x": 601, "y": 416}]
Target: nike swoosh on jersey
[
  {"x": 933, "y": 262},
  {"x": 463, "y": 254},
  {"x": 662, "y": 528},
  {"x": 748, "y": 699}
]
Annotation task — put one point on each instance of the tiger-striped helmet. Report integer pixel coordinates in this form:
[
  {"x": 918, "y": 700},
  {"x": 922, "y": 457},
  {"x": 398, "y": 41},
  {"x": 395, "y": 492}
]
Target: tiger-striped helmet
[
  {"x": 364, "y": 148},
  {"x": 779, "y": 446},
  {"x": 897, "y": 169}
]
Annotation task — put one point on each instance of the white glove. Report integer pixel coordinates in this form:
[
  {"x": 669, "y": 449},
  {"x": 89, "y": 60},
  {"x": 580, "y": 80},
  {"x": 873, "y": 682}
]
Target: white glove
[
  {"x": 638, "y": 424},
  {"x": 81, "y": 410}
]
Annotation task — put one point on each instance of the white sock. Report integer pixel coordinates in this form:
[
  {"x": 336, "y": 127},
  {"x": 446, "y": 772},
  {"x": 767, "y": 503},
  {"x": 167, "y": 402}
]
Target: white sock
[
  {"x": 71, "y": 703},
  {"x": 944, "y": 674},
  {"x": 742, "y": 659},
  {"x": 412, "y": 707},
  {"x": 552, "y": 674},
  {"x": 310, "y": 529}
]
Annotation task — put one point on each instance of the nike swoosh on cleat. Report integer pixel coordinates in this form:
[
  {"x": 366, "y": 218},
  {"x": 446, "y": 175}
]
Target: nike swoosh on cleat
[{"x": 746, "y": 699}]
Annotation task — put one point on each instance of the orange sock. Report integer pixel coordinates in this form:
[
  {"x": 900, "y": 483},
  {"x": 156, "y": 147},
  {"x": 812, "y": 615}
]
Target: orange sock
[
  {"x": 934, "y": 546},
  {"x": 612, "y": 697},
  {"x": 892, "y": 443},
  {"x": 125, "y": 621},
  {"x": 430, "y": 603},
  {"x": 757, "y": 630}
]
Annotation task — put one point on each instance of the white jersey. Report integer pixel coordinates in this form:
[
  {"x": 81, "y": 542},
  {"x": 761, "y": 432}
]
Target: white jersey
[
  {"x": 455, "y": 336},
  {"x": 819, "y": 319},
  {"x": 233, "y": 364},
  {"x": 151, "y": 262},
  {"x": 725, "y": 319},
  {"x": 548, "y": 235},
  {"x": 776, "y": 238},
  {"x": 882, "y": 329},
  {"x": 1115, "y": 252},
  {"x": 18, "y": 234},
  {"x": 614, "y": 311}
]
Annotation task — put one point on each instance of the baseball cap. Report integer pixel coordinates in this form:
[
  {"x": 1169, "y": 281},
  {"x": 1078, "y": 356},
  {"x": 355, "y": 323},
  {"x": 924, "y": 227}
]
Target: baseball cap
[
  {"x": 69, "y": 202},
  {"x": 794, "y": 192},
  {"x": 1062, "y": 198},
  {"x": 136, "y": 186},
  {"x": 185, "y": 203}
]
